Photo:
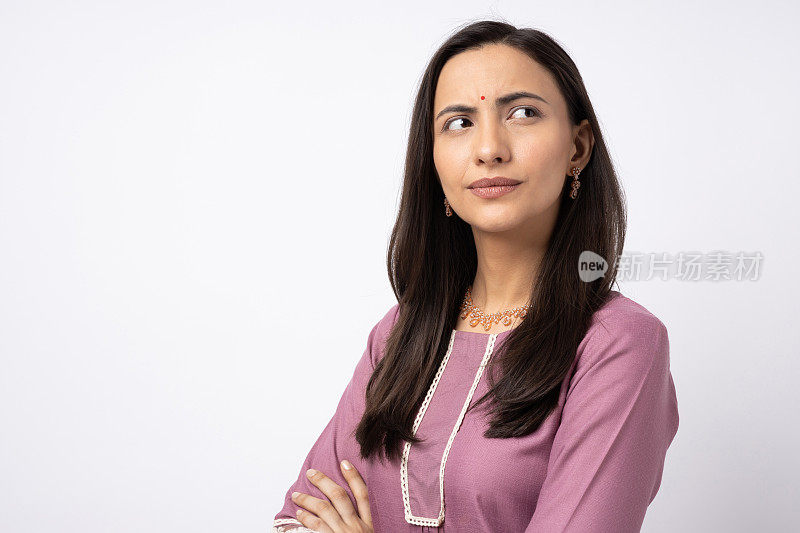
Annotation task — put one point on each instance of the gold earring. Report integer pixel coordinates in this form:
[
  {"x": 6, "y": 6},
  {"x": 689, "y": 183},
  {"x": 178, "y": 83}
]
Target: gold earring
[
  {"x": 575, "y": 183},
  {"x": 447, "y": 210}
]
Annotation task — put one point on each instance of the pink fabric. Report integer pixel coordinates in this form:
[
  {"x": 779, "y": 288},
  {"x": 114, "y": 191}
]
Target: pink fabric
[{"x": 593, "y": 466}]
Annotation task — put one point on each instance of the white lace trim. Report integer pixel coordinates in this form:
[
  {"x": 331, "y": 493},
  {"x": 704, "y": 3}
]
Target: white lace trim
[
  {"x": 419, "y": 520},
  {"x": 278, "y": 523}
]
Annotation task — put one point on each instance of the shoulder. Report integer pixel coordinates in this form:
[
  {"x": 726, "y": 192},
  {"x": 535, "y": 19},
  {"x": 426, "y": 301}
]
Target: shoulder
[
  {"x": 384, "y": 325},
  {"x": 624, "y": 328},
  {"x": 620, "y": 315},
  {"x": 380, "y": 333}
]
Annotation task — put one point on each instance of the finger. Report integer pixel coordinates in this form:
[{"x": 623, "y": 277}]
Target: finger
[
  {"x": 312, "y": 522},
  {"x": 310, "y": 505},
  {"x": 359, "y": 489},
  {"x": 340, "y": 510}
]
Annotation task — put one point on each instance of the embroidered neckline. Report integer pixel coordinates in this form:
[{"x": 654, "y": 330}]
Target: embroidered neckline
[
  {"x": 482, "y": 334},
  {"x": 419, "y": 520}
]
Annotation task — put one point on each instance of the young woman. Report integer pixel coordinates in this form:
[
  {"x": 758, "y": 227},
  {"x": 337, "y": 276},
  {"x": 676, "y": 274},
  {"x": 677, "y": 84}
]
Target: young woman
[{"x": 504, "y": 392}]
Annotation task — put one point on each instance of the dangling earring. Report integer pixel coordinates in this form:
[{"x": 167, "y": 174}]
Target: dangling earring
[
  {"x": 575, "y": 182},
  {"x": 447, "y": 210}
]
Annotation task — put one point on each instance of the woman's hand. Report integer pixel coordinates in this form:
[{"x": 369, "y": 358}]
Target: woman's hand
[{"x": 338, "y": 514}]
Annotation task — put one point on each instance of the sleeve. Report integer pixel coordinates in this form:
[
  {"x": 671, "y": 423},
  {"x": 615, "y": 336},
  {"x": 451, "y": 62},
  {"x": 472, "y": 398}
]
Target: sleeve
[
  {"x": 620, "y": 416},
  {"x": 336, "y": 442}
]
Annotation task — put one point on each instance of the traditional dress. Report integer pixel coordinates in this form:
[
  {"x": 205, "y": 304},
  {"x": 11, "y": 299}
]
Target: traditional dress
[{"x": 594, "y": 465}]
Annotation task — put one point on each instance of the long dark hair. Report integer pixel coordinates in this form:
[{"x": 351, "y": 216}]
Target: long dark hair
[{"x": 432, "y": 259}]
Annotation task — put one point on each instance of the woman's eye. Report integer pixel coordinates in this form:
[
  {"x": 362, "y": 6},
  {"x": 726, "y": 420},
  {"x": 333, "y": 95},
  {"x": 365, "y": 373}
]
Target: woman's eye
[
  {"x": 453, "y": 121},
  {"x": 533, "y": 112}
]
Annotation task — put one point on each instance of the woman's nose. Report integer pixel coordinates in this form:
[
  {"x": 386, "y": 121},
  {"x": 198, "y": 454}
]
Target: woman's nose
[{"x": 491, "y": 144}]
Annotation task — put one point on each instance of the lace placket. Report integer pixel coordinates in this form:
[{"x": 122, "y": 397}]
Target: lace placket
[{"x": 409, "y": 516}]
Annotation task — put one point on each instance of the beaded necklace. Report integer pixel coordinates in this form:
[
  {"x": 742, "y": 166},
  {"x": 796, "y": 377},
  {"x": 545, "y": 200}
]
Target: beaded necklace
[{"x": 478, "y": 317}]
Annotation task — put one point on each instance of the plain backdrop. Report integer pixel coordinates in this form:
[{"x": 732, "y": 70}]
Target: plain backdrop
[{"x": 195, "y": 203}]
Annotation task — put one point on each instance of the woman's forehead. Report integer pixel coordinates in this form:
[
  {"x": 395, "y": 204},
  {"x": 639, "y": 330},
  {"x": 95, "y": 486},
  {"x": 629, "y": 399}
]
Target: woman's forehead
[{"x": 491, "y": 72}]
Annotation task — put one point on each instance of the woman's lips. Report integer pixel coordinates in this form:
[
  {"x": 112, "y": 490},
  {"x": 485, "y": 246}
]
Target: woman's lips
[{"x": 493, "y": 192}]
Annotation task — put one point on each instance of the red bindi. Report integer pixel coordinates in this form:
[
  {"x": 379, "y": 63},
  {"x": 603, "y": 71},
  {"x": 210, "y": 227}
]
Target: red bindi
[{"x": 483, "y": 98}]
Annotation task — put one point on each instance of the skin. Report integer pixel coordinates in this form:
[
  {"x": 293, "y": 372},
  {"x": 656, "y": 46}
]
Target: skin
[
  {"x": 538, "y": 148},
  {"x": 338, "y": 514},
  {"x": 511, "y": 232}
]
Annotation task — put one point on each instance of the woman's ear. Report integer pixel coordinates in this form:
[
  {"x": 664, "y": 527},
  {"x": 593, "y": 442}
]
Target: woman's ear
[{"x": 584, "y": 144}]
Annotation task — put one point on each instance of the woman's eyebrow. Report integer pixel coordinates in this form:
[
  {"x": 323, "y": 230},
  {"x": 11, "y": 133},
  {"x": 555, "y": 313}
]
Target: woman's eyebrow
[{"x": 499, "y": 102}]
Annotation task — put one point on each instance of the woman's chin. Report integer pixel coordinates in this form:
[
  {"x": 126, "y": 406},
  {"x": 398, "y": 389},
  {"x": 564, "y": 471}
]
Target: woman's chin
[{"x": 496, "y": 223}]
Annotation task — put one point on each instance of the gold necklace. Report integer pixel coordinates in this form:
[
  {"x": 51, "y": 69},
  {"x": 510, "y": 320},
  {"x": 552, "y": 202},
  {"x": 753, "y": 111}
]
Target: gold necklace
[{"x": 478, "y": 317}]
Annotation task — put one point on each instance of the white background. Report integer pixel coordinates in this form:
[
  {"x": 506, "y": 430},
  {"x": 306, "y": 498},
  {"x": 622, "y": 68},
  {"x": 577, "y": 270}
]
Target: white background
[{"x": 195, "y": 202}]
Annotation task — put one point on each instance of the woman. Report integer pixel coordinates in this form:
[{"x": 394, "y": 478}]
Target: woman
[{"x": 507, "y": 181}]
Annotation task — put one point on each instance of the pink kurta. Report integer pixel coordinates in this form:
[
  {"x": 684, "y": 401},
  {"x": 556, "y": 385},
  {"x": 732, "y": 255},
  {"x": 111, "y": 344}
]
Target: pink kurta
[{"x": 594, "y": 465}]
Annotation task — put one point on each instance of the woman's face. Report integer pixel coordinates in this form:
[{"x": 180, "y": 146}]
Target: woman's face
[{"x": 525, "y": 138}]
